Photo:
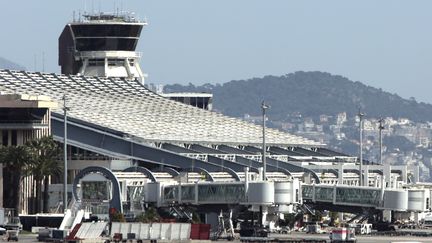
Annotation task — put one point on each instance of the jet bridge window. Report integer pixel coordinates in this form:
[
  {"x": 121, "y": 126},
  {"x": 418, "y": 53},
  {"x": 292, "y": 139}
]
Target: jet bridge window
[
  {"x": 358, "y": 196},
  {"x": 95, "y": 190},
  {"x": 115, "y": 62},
  {"x": 96, "y": 62}
]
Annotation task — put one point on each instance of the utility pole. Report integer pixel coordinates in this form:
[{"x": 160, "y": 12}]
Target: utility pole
[
  {"x": 65, "y": 110},
  {"x": 264, "y": 107},
  {"x": 361, "y": 115},
  {"x": 380, "y": 127}
]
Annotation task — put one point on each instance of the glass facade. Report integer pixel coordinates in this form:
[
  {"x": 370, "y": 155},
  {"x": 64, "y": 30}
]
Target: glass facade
[
  {"x": 106, "y": 44},
  {"x": 98, "y": 30}
]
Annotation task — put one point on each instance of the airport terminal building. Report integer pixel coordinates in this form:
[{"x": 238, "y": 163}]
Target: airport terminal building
[{"x": 119, "y": 130}]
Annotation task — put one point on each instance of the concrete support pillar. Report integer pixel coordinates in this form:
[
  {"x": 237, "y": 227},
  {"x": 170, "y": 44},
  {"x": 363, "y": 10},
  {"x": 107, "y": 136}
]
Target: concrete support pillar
[
  {"x": 212, "y": 219},
  {"x": 260, "y": 172},
  {"x": 366, "y": 175},
  {"x": 341, "y": 217},
  {"x": 20, "y": 137},
  {"x": 340, "y": 174},
  {"x": 9, "y": 142},
  {"x": 387, "y": 174},
  {"x": 416, "y": 218},
  {"x": 246, "y": 171},
  {"x": 264, "y": 215},
  {"x": 404, "y": 174},
  {"x": 106, "y": 67},
  {"x": 387, "y": 215}
]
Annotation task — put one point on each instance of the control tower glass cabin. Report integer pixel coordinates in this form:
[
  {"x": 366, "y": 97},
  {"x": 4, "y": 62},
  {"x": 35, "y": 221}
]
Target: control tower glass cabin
[{"x": 101, "y": 45}]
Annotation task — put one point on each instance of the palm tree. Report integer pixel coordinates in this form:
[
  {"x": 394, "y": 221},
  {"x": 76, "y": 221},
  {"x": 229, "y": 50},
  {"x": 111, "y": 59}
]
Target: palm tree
[
  {"x": 44, "y": 163},
  {"x": 15, "y": 159}
]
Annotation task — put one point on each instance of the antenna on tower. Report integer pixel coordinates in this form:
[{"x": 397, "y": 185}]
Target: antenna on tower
[
  {"x": 35, "y": 62},
  {"x": 43, "y": 61}
]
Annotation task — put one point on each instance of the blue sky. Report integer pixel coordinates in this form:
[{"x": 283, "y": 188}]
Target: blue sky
[{"x": 386, "y": 44}]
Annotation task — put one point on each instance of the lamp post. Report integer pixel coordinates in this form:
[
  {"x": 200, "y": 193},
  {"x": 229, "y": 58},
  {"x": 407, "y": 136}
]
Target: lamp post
[
  {"x": 380, "y": 127},
  {"x": 264, "y": 107},
  {"x": 65, "y": 110},
  {"x": 361, "y": 115}
]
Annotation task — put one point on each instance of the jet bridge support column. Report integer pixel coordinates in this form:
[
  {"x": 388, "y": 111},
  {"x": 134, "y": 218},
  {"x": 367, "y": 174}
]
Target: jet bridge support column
[
  {"x": 246, "y": 170},
  {"x": 340, "y": 174},
  {"x": 387, "y": 215},
  {"x": 366, "y": 175},
  {"x": 387, "y": 175}
]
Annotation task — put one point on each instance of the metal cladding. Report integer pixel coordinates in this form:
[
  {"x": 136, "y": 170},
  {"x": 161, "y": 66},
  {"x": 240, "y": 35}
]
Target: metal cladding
[
  {"x": 128, "y": 107},
  {"x": 396, "y": 199},
  {"x": 418, "y": 200},
  {"x": 261, "y": 193},
  {"x": 284, "y": 192}
]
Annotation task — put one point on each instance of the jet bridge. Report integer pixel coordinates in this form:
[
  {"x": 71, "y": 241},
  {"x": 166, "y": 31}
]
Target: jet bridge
[{"x": 140, "y": 186}]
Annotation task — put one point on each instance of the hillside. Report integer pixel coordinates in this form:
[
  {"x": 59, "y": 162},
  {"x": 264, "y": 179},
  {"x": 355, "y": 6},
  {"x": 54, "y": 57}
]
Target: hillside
[
  {"x": 6, "y": 64},
  {"x": 309, "y": 93}
]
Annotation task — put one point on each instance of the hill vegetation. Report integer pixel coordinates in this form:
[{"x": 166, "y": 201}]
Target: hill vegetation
[
  {"x": 310, "y": 94},
  {"x": 6, "y": 64}
]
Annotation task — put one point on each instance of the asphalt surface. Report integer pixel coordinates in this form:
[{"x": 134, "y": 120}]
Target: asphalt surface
[
  {"x": 296, "y": 235},
  {"x": 362, "y": 238}
]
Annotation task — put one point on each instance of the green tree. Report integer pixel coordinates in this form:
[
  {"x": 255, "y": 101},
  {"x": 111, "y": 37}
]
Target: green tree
[
  {"x": 118, "y": 217},
  {"x": 15, "y": 160},
  {"x": 149, "y": 216},
  {"x": 43, "y": 165}
]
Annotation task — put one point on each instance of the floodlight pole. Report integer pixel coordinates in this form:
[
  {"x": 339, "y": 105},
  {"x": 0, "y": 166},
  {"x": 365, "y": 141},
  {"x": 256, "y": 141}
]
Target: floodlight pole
[
  {"x": 264, "y": 107},
  {"x": 360, "y": 115},
  {"x": 65, "y": 109},
  {"x": 380, "y": 127}
]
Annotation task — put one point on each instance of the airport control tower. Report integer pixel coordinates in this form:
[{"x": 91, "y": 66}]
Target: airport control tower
[{"x": 101, "y": 45}]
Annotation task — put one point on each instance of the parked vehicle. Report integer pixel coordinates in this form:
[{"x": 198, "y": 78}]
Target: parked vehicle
[
  {"x": 363, "y": 229},
  {"x": 12, "y": 235},
  {"x": 8, "y": 220},
  {"x": 343, "y": 235},
  {"x": 314, "y": 229},
  {"x": 427, "y": 221}
]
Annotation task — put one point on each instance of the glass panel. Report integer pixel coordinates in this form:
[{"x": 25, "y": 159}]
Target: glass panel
[
  {"x": 95, "y": 30},
  {"x": 323, "y": 194},
  {"x": 95, "y": 190},
  {"x": 170, "y": 193},
  {"x": 307, "y": 192},
  {"x": 358, "y": 196},
  {"x": 221, "y": 193},
  {"x": 106, "y": 44},
  {"x": 135, "y": 193},
  {"x": 188, "y": 193}
]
